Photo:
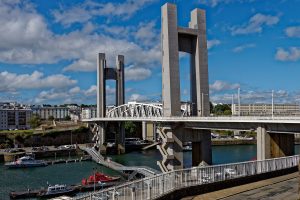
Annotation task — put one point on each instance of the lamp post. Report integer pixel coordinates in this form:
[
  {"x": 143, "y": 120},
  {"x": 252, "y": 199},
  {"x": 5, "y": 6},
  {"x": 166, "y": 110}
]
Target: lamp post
[
  {"x": 94, "y": 180},
  {"x": 202, "y": 103},
  {"x": 239, "y": 100},
  {"x": 272, "y": 104}
]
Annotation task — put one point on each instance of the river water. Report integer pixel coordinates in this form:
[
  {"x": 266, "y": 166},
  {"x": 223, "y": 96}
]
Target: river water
[{"x": 72, "y": 173}]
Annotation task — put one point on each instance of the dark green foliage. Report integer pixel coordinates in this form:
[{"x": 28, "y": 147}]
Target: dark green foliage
[
  {"x": 51, "y": 118},
  {"x": 130, "y": 128},
  {"x": 222, "y": 109},
  {"x": 67, "y": 118},
  {"x": 35, "y": 121}
]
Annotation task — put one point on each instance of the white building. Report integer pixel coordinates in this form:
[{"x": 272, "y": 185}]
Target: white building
[
  {"x": 266, "y": 109},
  {"x": 14, "y": 116},
  {"x": 88, "y": 112},
  {"x": 46, "y": 112}
]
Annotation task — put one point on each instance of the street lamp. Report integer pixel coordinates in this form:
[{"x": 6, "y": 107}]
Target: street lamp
[
  {"x": 202, "y": 103},
  {"x": 239, "y": 100},
  {"x": 272, "y": 104}
]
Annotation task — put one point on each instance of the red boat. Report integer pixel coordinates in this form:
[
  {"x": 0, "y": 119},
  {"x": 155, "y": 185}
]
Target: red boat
[{"x": 99, "y": 177}]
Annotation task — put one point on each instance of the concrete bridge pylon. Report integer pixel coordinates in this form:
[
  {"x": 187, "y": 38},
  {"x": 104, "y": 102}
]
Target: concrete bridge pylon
[{"x": 191, "y": 40}]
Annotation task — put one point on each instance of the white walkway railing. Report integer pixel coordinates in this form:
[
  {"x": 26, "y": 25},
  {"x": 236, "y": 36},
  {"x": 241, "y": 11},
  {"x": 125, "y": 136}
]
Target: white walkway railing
[{"x": 162, "y": 184}]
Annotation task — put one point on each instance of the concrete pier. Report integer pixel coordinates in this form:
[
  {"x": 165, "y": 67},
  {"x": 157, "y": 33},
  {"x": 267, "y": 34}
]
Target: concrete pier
[{"x": 273, "y": 145}]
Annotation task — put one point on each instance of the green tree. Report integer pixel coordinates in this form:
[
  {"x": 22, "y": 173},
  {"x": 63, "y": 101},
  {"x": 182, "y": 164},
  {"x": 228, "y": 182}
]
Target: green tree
[
  {"x": 130, "y": 128},
  {"x": 51, "y": 118},
  {"x": 227, "y": 112},
  {"x": 221, "y": 108},
  {"x": 35, "y": 121},
  {"x": 67, "y": 118}
]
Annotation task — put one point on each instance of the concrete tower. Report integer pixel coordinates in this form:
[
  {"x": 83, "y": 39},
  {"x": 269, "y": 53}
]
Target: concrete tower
[
  {"x": 105, "y": 73},
  {"x": 191, "y": 40}
]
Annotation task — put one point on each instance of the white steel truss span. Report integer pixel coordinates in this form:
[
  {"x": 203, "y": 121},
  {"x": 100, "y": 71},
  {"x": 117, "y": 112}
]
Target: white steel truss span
[{"x": 135, "y": 110}]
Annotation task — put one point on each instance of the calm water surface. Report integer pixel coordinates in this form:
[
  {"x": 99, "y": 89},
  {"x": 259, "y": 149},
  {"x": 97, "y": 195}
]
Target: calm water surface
[{"x": 72, "y": 173}]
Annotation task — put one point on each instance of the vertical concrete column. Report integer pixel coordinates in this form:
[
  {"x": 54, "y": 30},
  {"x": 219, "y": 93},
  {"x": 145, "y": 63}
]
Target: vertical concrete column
[
  {"x": 170, "y": 61},
  {"x": 281, "y": 145},
  {"x": 154, "y": 132},
  {"x": 101, "y": 101},
  {"x": 120, "y": 100},
  {"x": 199, "y": 81},
  {"x": 175, "y": 148},
  {"x": 263, "y": 143},
  {"x": 120, "y": 80},
  {"x": 144, "y": 130},
  {"x": 201, "y": 149}
]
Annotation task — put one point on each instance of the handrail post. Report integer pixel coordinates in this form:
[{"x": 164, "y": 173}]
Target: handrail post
[{"x": 133, "y": 195}]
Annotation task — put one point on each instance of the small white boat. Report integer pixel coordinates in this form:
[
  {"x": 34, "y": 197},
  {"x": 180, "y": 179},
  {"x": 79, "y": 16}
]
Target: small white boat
[
  {"x": 26, "y": 161},
  {"x": 57, "y": 190}
]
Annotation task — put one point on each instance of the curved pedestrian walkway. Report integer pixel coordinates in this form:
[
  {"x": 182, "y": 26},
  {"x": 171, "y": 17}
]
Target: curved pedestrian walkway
[{"x": 282, "y": 187}]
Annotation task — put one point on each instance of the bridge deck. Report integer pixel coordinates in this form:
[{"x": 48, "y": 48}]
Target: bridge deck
[{"x": 231, "y": 119}]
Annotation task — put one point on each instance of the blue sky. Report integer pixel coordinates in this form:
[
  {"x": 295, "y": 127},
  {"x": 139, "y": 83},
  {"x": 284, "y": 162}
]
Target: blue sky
[{"x": 48, "y": 49}]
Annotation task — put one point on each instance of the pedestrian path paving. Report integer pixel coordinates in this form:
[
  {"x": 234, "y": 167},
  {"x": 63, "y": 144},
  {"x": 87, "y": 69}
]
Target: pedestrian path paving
[{"x": 283, "y": 187}]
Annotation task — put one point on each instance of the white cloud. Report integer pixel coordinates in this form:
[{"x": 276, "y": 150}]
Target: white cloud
[
  {"x": 147, "y": 34},
  {"x": 214, "y": 3},
  {"x": 243, "y": 47},
  {"x": 138, "y": 97},
  {"x": 136, "y": 73},
  {"x": 293, "y": 31},
  {"x": 222, "y": 85},
  {"x": 255, "y": 24},
  {"x": 36, "y": 80},
  {"x": 292, "y": 54},
  {"x": 258, "y": 96},
  {"x": 212, "y": 43},
  {"x": 83, "y": 12},
  {"x": 26, "y": 39}
]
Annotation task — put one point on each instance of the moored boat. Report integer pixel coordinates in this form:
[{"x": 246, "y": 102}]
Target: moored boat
[
  {"x": 57, "y": 190},
  {"x": 99, "y": 177},
  {"x": 26, "y": 161}
]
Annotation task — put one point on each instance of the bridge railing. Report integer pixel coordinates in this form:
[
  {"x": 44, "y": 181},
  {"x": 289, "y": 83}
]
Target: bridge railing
[{"x": 164, "y": 183}]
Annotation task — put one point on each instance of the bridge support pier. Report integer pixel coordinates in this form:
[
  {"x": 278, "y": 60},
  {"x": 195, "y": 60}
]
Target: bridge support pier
[
  {"x": 201, "y": 149},
  {"x": 274, "y": 145},
  {"x": 120, "y": 138},
  {"x": 173, "y": 137},
  {"x": 144, "y": 130},
  {"x": 170, "y": 149}
]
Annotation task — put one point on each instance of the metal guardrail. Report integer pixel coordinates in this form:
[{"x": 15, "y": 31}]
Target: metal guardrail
[
  {"x": 164, "y": 183},
  {"x": 285, "y": 119}
]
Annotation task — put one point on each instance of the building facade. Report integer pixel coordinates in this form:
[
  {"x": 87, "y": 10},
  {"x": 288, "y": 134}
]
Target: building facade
[
  {"x": 88, "y": 112},
  {"x": 56, "y": 112},
  {"x": 265, "y": 110},
  {"x": 14, "y": 116}
]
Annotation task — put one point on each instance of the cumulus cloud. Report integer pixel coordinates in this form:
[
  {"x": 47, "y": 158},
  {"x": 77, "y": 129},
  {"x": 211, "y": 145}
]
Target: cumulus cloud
[
  {"x": 212, "y": 43},
  {"x": 53, "y": 95},
  {"x": 293, "y": 31},
  {"x": 258, "y": 96},
  {"x": 255, "y": 24},
  {"x": 88, "y": 9},
  {"x": 36, "y": 80},
  {"x": 243, "y": 47},
  {"x": 292, "y": 54},
  {"x": 26, "y": 39},
  {"x": 222, "y": 85},
  {"x": 136, "y": 73},
  {"x": 138, "y": 97},
  {"x": 214, "y": 3}
]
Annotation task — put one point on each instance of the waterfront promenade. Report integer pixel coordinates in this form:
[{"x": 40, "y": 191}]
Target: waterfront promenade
[{"x": 282, "y": 187}]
